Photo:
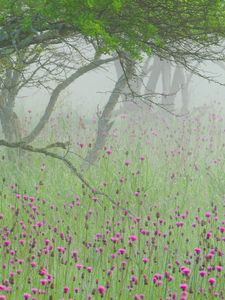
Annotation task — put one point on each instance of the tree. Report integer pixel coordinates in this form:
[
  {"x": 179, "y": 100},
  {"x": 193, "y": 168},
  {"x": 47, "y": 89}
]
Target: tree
[
  {"x": 179, "y": 29},
  {"x": 29, "y": 67}
]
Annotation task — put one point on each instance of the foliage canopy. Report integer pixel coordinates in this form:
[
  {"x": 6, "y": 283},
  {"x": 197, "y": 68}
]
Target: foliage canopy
[{"x": 162, "y": 27}]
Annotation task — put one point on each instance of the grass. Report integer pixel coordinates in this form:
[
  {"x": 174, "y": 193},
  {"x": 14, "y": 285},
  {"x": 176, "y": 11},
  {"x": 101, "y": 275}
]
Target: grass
[{"x": 173, "y": 177}]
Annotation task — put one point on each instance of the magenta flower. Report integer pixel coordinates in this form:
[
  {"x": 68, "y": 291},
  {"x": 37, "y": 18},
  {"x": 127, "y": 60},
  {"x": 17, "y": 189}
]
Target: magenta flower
[
  {"x": 89, "y": 269},
  {"x": 7, "y": 243},
  {"x": 202, "y": 273},
  {"x": 66, "y": 289},
  {"x": 33, "y": 264},
  {"x": 198, "y": 250},
  {"x": 145, "y": 260},
  {"x": 185, "y": 271},
  {"x": 183, "y": 286},
  {"x": 79, "y": 266},
  {"x": 121, "y": 251},
  {"x": 212, "y": 280},
  {"x": 219, "y": 268},
  {"x": 133, "y": 238},
  {"x": 208, "y": 214},
  {"x": 208, "y": 235},
  {"x": 101, "y": 289},
  {"x": 61, "y": 249}
]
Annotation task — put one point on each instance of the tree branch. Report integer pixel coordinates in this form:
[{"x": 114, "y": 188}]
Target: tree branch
[
  {"x": 66, "y": 161},
  {"x": 56, "y": 92}
]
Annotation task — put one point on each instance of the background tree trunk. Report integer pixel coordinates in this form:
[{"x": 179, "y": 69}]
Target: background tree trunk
[{"x": 104, "y": 122}]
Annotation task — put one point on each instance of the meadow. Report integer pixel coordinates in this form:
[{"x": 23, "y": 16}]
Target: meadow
[{"x": 164, "y": 236}]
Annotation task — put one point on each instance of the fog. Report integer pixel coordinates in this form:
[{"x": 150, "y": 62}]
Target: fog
[{"x": 90, "y": 92}]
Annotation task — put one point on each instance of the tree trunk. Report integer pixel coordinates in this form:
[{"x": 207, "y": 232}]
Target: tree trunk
[
  {"x": 105, "y": 123},
  {"x": 154, "y": 76},
  {"x": 166, "y": 85}
]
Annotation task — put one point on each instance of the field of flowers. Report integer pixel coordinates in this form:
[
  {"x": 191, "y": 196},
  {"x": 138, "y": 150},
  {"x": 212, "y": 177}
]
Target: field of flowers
[{"x": 164, "y": 238}]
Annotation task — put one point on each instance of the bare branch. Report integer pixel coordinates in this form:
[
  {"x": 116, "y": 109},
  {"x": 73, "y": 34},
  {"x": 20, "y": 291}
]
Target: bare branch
[{"x": 67, "y": 162}]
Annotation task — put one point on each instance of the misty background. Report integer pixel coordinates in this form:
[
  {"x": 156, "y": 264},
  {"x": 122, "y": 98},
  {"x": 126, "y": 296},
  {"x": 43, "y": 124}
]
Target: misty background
[{"x": 91, "y": 91}]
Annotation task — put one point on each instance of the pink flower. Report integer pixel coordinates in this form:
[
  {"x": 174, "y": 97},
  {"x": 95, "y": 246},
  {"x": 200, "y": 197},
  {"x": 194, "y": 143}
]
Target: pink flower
[
  {"x": 133, "y": 238},
  {"x": 34, "y": 290},
  {"x": 185, "y": 271},
  {"x": 44, "y": 281},
  {"x": 26, "y": 296},
  {"x": 208, "y": 214},
  {"x": 89, "y": 269},
  {"x": 183, "y": 286},
  {"x": 33, "y": 264},
  {"x": 121, "y": 251},
  {"x": 180, "y": 224},
  {"x": 208, "y": 235},
  {"x": 202, "y": 273},
  {"x": 2, "y": 297},
  {"x": 133, "y": 279},
  {"x": 198, "y": 250},
  {"x": 79, "y": 266},
  {"x": 61, "y": 249},
  {"x": 184, "y": 295},
  {"x": 109, "y": 151},
  {"x": 43, "y": 271},
  {"x": 127, "y": 162},
  {"x": 222, "y": 229},
  {"x": 114, "y": 239},
  {"x": 7, "y": 243},
  {"x": 66, "y": 289},
  {"x": 219, "y": 268},
  {"x": 145, "y": 260},
  {"x": 101, "y": 289},
  {"x": 212, "y": 280}
]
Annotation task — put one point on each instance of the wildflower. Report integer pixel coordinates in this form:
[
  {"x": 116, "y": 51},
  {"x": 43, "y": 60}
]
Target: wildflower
[
  {"x": 212, "y": 280},
  {"x": 109, "y": 151},
  {"x": 145, "y": 260},
  {"x": 202, "y": 273},
  {"x": 185, "y": 271},
  {"x": 198, "y": 250},
  {"x": 101, "y": 289},
  {"x": 121, "y": 251},
  {"x": 66, "y": 289},
  {"x": 33, "y": 264},
  {"x": 61, "y": 249},
  {"x": 127, "y": 162},
  {"x": 34, "y": 290},
  {"x": 79, "y": 266},
  {"x": 7, "y": 243},
  {"x": 219, "y": 268},
  {"x": 133, "y": 238},
  {"x": 208, "y": 214},
  {"x": 89, "y": 269},
  {"x": 183, "y": 286},
  {"x": 208, "y": 235}
]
